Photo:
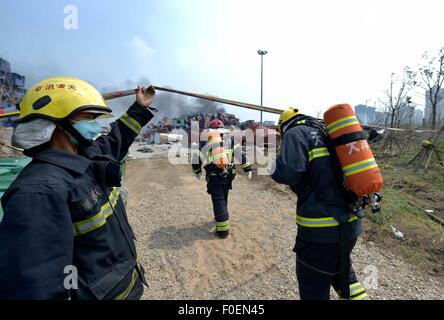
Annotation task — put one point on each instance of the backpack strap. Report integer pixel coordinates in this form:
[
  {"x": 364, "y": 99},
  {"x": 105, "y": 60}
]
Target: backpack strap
[{"x": 347, "y": 138}]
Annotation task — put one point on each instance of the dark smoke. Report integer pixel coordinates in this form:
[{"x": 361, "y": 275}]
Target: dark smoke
[{"x": 169, "y": 104}]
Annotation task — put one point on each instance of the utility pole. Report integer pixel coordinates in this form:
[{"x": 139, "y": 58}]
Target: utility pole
[{"x": 262, "y": 53}]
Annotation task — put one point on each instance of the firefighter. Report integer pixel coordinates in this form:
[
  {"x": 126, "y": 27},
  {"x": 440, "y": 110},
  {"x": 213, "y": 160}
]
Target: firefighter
[
  {"x": 327, "y": 230},
  {"x": 219, "y": 180},
  {"x": 65, "y": 233}
]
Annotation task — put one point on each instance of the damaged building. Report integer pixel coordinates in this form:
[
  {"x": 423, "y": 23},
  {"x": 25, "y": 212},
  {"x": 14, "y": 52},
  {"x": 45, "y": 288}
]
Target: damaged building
[{"x": 12, "y": 89}]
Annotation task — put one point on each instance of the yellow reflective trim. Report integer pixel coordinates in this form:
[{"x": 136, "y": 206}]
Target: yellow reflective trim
[
  {"x": 132, "y": 120},
  {"x": 314, "y": 219},
  {"x": 101, "y": 223},
  {"x": 317, "y": 153},
  {"x": 237, "y": 145},
  {"x": 318, "y": 225},
  {"x": 218, "y": 156},
  {"x": 83, "y": 222},
  {"x": 344, "y": 125},
  {"x": 325, "y": 219},
  {"x": 358, "y": 163},
  {"x": 113, "y": 198},
  {"x": 326, "y": 154},
  {"x": 91, "y": 219},
  {"x": 361, "y": 170},
  {"x": 332, "y": 127},
  {"x": 110, "y": 205},
  {"x": 223, "y": 226},
  {"x": 197, "y": 151},
  {"x": 230, "y": 153},
  {"x": 201, "y": 154},
  {"x": 245, "y": 165},
  {"x": 214, "y": 145},
  {"x": 339, "y": 120},
  {"x": 360, "y": 297},
  {"x": 318, "y": 149},
  {"x": 131, "y": 123},
  {"x": 352, "y": 293},
  {"x": 353, "y": 219},
  {"x": 314, "y": 222},
  {"x": 215, "y": 140},
  {"x": 127, "y": 291},
  {"x": 357, "y": 284},
  {"x": 96, "y": 226}
]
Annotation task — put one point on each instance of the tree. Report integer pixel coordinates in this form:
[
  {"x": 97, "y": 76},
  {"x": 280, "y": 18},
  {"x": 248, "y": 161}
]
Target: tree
[
  {"x": 431, "y": 72},
  {"x": 396, "y": 96}
]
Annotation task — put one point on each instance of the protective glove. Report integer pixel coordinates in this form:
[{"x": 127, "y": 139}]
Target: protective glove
[{"x": 249, "y": 175}]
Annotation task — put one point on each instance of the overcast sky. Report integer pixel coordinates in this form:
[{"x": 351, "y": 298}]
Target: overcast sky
[{"x": 319, "y": 52}]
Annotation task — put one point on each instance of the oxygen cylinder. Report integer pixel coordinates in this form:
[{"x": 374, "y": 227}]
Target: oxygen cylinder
[
  {"x": 362, "y": 175},
  {"x": 217, "y": 149}
]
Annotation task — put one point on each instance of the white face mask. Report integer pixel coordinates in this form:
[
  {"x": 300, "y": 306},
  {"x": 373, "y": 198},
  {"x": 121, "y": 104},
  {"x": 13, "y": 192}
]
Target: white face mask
[{"x": 32, "y": 133}]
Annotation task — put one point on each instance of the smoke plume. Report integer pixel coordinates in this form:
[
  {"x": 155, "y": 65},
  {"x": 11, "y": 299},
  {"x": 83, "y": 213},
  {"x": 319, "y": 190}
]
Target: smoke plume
[{"x": 169, "y": 104}]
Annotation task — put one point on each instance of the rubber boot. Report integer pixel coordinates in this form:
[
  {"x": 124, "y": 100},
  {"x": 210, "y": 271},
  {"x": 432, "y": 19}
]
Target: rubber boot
[{"x": 223, "y": 234}]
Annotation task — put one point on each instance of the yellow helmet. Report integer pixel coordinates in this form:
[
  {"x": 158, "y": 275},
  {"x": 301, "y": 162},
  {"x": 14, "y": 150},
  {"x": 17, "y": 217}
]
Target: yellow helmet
[
  {"x": 286, "y": 117},
  {"x": 60, "y": 98}
]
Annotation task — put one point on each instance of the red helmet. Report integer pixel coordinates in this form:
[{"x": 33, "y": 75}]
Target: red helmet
[{"x": 216, "y": 124}]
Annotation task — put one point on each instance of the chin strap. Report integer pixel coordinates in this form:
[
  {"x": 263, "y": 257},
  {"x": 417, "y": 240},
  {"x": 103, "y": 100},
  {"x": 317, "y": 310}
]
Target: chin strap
[{"x": 83, "y": 142}]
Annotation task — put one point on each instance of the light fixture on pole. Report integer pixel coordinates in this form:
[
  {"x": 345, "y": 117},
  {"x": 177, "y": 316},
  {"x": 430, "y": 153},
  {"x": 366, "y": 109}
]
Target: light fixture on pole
[{"x": 262, "y": 53}]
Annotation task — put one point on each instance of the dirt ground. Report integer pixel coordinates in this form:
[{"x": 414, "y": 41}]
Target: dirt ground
[{"x": 171, "y": 214}]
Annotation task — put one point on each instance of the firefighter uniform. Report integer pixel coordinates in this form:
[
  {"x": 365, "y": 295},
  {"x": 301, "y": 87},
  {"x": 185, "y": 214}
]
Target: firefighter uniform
[
  {"x": 219, "y": 181},
  {"x": 323, "y": 214},
  {"x": 65, "y": 210}
]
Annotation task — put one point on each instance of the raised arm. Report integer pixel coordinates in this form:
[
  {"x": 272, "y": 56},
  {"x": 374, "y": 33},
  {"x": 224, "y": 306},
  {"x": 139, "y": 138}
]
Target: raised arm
[{"x": 127, "y": 127}]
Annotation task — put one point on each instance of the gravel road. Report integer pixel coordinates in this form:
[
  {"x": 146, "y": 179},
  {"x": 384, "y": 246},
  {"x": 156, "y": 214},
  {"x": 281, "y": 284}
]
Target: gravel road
[{"x": 171, "y": 214}]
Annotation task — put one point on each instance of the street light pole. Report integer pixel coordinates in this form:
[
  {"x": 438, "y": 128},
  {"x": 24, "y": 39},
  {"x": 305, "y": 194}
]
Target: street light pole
[{"x": 262, "y": 53}]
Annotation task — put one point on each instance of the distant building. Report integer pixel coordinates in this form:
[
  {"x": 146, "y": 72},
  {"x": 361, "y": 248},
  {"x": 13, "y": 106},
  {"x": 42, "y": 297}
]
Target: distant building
[
  {"x": 419, "y": 116},
  {"x": 380, "y": 118},
  {"x": 12, "y": 89},
  {"x": 366, "y": 114}
]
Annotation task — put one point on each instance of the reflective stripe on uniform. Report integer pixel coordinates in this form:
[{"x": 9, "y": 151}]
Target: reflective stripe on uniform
[
  {"x": 98, "y": 219},
  {"x": 218, "y": 156},
  {"x": 320, "y": 222},
  {"x": 127, "y": 291},
  {"x": 317, "y": 153},
  {"x": 236, "y": 145},
  {"x": 223, "y": 225},
  {"x": 245, "y": 165},
  {"x": 199, "y": 153},
  {"x": 359, "y": 167},
  {"x": 131, "y": 123},
  {"x": 357, "y": 291},
  {"x": 342, "y": 123},
  {"x": 214, "y": 142},
  {"x": 230, "y": 153}
]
